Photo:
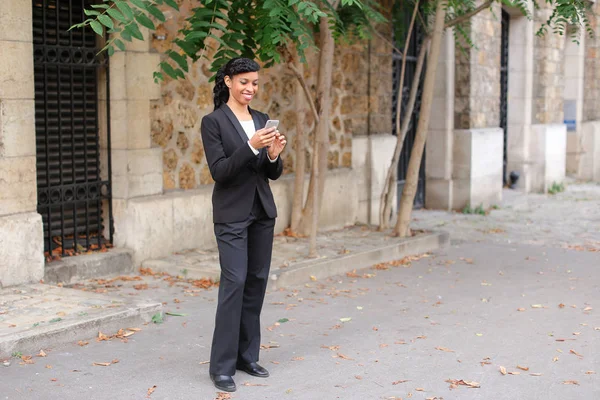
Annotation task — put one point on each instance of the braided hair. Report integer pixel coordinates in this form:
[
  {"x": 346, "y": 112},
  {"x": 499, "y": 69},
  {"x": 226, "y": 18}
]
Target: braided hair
[{"x": 233, "y": 67}]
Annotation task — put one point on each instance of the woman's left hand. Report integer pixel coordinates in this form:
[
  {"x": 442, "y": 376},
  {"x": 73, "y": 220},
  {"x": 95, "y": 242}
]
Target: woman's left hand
[{"x": 277, "y": 145}]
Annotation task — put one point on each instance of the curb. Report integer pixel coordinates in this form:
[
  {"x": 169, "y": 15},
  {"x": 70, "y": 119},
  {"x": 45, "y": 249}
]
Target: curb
[
  {"x": 302, "y": 272},
  {"x": 52, "y": 336}
]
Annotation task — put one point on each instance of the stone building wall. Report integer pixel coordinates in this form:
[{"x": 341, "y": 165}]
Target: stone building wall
[
  {"x": 176, "y": 117},
  {"x": 548, "y": 72},
  {"x": 477, "y": 89},
  {"x": 591, "y": 103}
]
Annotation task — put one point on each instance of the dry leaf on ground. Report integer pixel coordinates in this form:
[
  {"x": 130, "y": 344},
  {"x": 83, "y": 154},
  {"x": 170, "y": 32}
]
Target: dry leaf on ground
[
  {"x": 101, "y": 364},
  {"x": 503, "y": 370},
  {"x": 444, "y": 349},
  {"x": 83, "y": 343},
  {"x": 455, "y": 383},
  {"x": 590, "y": 372},
  {"x": 576, "y": 353},
  {"x": 400, "y": 381},
  {"x": 340, "y": 355},
  {"x": 223, "y": 396},
  {"x": 535, "y": 374},
  {"x": 523, "y": 368},
  {"x": 42, "y": 354},
  {"x": 570, "y": 383},
  {"x": 151, "y": 390},
  {"x": 253, "y": 384}
]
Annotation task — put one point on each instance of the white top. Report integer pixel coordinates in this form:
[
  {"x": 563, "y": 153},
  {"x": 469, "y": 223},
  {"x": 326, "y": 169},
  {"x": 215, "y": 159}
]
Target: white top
[{"x": 250, "y": 130}]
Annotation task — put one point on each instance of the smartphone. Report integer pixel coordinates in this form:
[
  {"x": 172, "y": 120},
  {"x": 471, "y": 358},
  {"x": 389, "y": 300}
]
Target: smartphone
[{"x": 272, "y": 123}]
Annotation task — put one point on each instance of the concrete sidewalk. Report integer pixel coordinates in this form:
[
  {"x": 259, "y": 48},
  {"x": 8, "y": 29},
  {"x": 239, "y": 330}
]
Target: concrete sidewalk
[{"x": 42, "y": 316}]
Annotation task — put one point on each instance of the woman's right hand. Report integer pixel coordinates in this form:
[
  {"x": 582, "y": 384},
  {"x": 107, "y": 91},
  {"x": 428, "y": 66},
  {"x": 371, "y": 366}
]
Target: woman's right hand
[{"x": 263, "y": 138}]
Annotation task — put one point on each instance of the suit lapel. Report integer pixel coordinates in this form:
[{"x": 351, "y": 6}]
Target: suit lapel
[{"x": 236, "y": 124}]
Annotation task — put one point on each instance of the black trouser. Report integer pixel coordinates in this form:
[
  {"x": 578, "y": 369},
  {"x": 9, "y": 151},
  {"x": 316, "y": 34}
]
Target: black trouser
[{"x": 245, "y": 257}]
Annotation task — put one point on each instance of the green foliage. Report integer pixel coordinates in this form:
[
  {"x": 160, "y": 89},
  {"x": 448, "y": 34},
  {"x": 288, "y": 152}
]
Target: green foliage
[
  {"x": 259, "y": 29},
  {"x": 556, "y": 188},
  {"x": 477, "y": 210}
]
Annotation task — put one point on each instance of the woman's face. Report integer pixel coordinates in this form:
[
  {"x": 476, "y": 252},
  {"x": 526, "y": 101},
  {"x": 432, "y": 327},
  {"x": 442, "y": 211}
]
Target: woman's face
[{"x": 243, "y": 87}]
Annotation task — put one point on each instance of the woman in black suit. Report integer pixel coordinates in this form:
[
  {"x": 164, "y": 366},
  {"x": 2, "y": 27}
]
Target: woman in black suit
[{"x": 242, "y": 156}]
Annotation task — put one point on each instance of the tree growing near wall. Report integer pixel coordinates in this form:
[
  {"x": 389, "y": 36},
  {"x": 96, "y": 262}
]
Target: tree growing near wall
[
  {"x": 271, "y": 31},
  {"x": 442, "y": 15}
]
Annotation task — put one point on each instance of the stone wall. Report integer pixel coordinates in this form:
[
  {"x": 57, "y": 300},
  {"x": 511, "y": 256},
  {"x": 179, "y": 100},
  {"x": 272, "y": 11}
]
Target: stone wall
[
  {"x": 591, "y": 104},
  {"x": 477, "y": 103},
  {"x": 548, "y": 72},
  {"x": 177, "y": 115}
]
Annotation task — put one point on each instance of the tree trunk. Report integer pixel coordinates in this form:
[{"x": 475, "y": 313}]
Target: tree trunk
[
  {"x": 387, "y": 196},
  {"x": 300, "y": 164},
  {"x": 321, "y": 144},
  {"x": 412, "y": 178}
]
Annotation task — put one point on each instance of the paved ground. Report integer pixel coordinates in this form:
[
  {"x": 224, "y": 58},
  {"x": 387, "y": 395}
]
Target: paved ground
[{"x": 517, "y": 292}]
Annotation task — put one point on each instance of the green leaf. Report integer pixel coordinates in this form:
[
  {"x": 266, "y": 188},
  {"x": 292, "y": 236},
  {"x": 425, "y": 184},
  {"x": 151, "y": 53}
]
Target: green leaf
[
  {"x": 145, "y": 21},
  {"x": 102, "y": 6},
  {"x": 106, "y": 21},
  {"x": 168, "y": 69},
  {"x": 175, "y": 314},
  {"x": 157, "y": 13},
  {"x": 91, "y": 12},
  {"x": 125, "y": 9},
  {"x": 97, "y": 27},
  {"x": 126, "y": 35},
  {"x": 172, "y": 4},
  {"x": 53, "y": 320},
  {"x": 157, "y": 318},
  {"x": 158, "y": 76},
  {"x": 134, "y": 30},
  {"x": 179, "y": 59},
  {"x": 116, "y": 15},
  {"x": 283, "y": 320},
  {"x": 119, "y": 43},
  {"x": 111, "y": 51},
  {"x": 139, "y": 4}
]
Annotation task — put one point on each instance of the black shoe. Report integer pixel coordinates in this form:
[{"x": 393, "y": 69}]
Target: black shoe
[
  {"x": 223, "y": 382},
  {"x": 253, "y": 369}
]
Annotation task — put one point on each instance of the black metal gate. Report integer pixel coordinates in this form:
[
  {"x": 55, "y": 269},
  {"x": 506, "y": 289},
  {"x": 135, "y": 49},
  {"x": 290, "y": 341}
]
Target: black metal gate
[
  {"x": 73, "y": 199},
  {"x": 504, "y": 88},
  {"x": 411, "y": 54}
]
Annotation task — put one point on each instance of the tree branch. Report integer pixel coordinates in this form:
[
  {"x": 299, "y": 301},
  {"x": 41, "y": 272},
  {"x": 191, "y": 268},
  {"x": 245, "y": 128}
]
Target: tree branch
[
  {"x": 387, "y": 41},
  {"x": 306, "y": 89},
  {"x": 464, "y": 17}
]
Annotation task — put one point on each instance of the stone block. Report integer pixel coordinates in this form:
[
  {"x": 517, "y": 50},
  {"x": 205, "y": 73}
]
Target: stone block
[
  {"x": 16, "y": 66},
  {"x": 137, "y": 172},
  {"x": 589, "y": 167},
  {"x": 438, "y": 154},
  {"x": 548, "y": 155},
  {"x": 339, "y": 205},
  {"x": 118, "y": 88},
  {"x": 381, "y": 153},
  {"x": 118, "y": 124},
  {"x": 16, "y": 20},
  {"x": 21, "y": 249},
  {"x": 192, "y": 219},
  {"x": 439, "y": 194},
  {"x": 136, "y": 45},
  {"x": 139, "y": 81},
  {"x": 361, "y": 166},
  {"x": 17, "y": 128},
  {"x": 138, "y": 124},
  {"x": 145, "y": 226},
  {"x": 18, "y": 186}
]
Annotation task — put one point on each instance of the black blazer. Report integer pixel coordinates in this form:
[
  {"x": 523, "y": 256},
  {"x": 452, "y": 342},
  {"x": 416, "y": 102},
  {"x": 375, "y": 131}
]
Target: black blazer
[{"x": 238, "y": 173}]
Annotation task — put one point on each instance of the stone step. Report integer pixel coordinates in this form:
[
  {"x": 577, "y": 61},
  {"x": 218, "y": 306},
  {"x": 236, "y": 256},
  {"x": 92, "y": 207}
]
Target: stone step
[{"x": 115, "y": 261}]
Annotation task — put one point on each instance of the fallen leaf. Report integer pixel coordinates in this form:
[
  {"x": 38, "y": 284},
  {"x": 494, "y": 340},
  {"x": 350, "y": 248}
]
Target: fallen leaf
[
  {"x": 101, "y": 364},
  {"x": 253, "y": 384},
  {"x": 83, "y": 343},
  {"x": 576, "y": 353},
  {"x": 223, "y": 396},
  {"x": 298, "y": 358},
  {"x": 503, "y": 370},
  {"x": 555, "y": 359},
  {"x": 48, "y": 366},
  {"x": 383, "y": 345},
  {"x": 444, "y": 349},
  {"x": 204, "y": 362},
  {"x": 275, "y": 362},
  {"x": 358, "y": 377},
  {"x": 561, "y": 305},
  {"x": 42, "y": 354},
  {"x": 332, "y": 348},
  {"x": 115, "y": 361},
  {"x": 537, "y": 306},
  {"x": 102, "y": 336},
  {"x": 523, "y": 368},
  {"x": 535, "y": 374},
  {"x": 419, "y": 389},
  {"x": 570, "y": 383},
  {"x": 400, "y": 381},
  {"x": 347, "y": 319},
  {"x": 151, "y": 390},
  {"x": 520, "y": 309},
  {"x": 590, "y": 372},
  {"x": 340, "y": 355},
  {"x": 576, "y": 333},
  {"x": 313, "y": 278},
  {"x": 134, "y": 329},
  {"x": 588, "y": 309},
  {"x": 454, "y": 383},
  {"x": 514, "y": 373},
  {"x": 53, "y": 379}
]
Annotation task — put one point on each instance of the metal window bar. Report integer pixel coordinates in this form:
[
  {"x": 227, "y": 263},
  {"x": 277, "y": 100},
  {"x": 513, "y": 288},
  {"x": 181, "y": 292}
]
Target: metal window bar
[
  {"x": 411, "y": 55},
  {"x": 504, "y": 89},
  {"x": 71, "y": 192}
]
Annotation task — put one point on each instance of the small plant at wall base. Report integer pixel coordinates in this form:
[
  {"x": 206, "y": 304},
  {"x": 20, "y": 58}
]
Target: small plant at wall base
[
  {"x": 477, "y": 210},
  {"x": 455, "y": 14},
  {"x": 556, "y": 188},
  {"x": 270, "y": 31}
]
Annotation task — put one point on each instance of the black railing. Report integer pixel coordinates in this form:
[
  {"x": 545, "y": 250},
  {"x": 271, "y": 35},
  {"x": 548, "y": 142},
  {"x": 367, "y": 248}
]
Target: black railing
[
  {"x": 71, "y": 191},
  {"x": 504, "y": 88},
  {"x": 411, "y": 54}
]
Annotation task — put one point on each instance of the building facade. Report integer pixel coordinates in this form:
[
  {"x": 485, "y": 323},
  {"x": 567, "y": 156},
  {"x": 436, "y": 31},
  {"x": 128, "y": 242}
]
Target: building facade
[{"x": 94, "y": 154}]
